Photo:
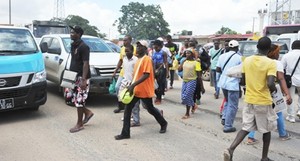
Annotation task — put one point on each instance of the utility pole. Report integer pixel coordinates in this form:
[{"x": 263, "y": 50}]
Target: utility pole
[
  {"x": 9, "y": 10},
  {"x": 253, "y": 25}
]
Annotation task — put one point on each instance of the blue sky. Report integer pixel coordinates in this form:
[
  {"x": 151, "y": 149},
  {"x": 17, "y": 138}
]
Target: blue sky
[{"x": 200, "y": 16}]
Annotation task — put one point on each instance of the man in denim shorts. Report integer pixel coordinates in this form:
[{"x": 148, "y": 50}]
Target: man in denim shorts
[{"x": 258, "y": 74}]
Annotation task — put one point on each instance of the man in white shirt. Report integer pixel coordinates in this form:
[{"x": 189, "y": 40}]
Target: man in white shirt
[{"x": 289, "y": 62}]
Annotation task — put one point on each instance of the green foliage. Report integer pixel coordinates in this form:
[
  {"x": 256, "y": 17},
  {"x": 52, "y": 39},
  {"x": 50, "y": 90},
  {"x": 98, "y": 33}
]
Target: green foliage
[
  {"x": 226, "y": 30},
  {"x": 72, "y": 20},
  {"x": 184, "y": 32},
  {"x": 249, "y": 32},
  {"x": 142, "y": 21}
]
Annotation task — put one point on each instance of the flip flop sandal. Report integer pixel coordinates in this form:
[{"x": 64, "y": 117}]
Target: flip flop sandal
[
  {"x": 87, "y": 119},
  {"x": 76, "y": 129},
  {"x": 185, "y": 117}
]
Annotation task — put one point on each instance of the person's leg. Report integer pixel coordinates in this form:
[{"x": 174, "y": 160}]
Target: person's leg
[
  {"x": 280, "y": 125},
  {"x": 266, "y": 145},
  {"x": 157, "y": 115},
  {"x": 238, "y": 139},
  {"x": 290, "y": 108},
  {"x": 136, "y": 114},
  {"x": 117, "y": 88},
  {"x": 225, "y": 93},
  {"x": 232, "y": 107},
  {"x": 126, "y": 122},
  {"x": 172, "y": 72},
  {"x": 298, "y": 103}
]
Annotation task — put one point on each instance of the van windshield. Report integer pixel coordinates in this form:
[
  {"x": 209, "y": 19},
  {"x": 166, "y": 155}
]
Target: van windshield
[
  {"x": 16, "y": 41},
  {"x": 95, "y": 44}
]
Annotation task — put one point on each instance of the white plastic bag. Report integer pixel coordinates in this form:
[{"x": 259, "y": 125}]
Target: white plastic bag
[
  {"x": 235, "y": 71},
  {"x": 278, "y": 100}
]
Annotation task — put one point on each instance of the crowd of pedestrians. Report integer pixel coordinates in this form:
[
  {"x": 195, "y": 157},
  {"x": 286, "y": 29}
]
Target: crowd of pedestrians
[{"x": 145, "y": 71}]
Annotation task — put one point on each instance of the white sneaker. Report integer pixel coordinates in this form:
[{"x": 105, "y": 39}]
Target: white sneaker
[
  {"x": 298, "y": 114},
  {"x": 290, "y": 119},
  {"x": 162, "y": 97}
]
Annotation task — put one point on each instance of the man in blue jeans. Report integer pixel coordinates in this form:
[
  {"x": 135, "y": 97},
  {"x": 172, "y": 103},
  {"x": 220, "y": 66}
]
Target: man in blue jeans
[
  {"x": 229, "y": 85},
  {"x": 214, "y": 56}
]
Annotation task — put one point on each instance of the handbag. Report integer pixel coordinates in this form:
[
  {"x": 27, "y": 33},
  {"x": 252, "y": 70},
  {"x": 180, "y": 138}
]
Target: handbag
[
  {"x": 125, "y": 96},
  {"x": 235, "y": 71},
  {"x": 69, "y": 77},
  {"x": 288, "y": 78}
]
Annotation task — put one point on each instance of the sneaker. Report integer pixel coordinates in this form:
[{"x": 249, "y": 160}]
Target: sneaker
[
  {"x": 135, "y": 124},
  {"x": 230, "y": 129},
  {"x": 251, "y": 141},
  {"x": 216, "y": 96},
  {"x": 171, "y": 87},
  {"x": 162, "y": 96},
  {"x": 290, "y": 119},
  {"x": 286, "y": 137},
  {"x": 298, "y": 114}
]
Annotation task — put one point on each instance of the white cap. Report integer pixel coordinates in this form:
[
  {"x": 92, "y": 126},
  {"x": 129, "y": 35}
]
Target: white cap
[
  {"x": 233, "y": 43},
  {"x": 143, "y": 42},
  {"x": 160, "y": 39}
]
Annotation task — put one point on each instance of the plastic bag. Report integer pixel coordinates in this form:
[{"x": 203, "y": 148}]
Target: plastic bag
[
  {"x": 112, "y": 86},
  {"x": 235, "y": 71}
]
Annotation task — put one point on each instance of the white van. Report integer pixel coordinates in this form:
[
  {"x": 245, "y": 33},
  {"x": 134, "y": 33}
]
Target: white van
[
  {"x": 103, "y": 60},
  {"x": 289, "y": 38}
]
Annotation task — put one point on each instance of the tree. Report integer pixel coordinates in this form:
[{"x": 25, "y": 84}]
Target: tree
[
  {"x": 142, "y": 22},
  {"x": 249, "y": 32},
  {"x": 72, "y": 20},
  {"x": 226, "y": 30}
]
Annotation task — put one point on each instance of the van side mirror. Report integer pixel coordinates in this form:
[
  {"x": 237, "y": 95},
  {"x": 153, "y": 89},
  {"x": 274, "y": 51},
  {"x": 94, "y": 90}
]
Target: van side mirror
[{"x": 44, "y": 47}]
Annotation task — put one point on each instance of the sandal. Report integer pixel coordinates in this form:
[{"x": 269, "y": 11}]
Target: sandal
[
  {"x": 185, "y": 117},
  {"x": 87, "y": 119},
  {"x": 251, "y": 141},
  {"x": 195, "y": 107},
  {"x": 76, "y": 129}
]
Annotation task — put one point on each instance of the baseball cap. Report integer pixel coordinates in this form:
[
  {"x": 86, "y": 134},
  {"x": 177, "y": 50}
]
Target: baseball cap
[
  {"x": 77, "y": 29},
  {"x": 160, "y": 39},
  {"x": 233, "y": 43},
  {"x": 142, "y": 42}
]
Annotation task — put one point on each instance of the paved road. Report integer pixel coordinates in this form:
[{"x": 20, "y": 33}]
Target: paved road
[{"x": 43, "y": 135}]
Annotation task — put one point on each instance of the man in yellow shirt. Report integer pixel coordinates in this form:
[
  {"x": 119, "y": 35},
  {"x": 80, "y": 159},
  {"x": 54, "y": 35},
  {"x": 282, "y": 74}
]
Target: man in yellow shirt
[{"x": 258, "y": 74}]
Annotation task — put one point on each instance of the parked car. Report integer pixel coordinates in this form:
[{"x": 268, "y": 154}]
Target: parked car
[
  {"x": 103, "y": 60},
  {"x": 114, "y": 46},
  {"x": 22, "y": 70},
  {"x": 248, "y": 48}
]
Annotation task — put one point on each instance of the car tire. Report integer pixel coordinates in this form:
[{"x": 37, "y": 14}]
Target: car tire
[{"x": 35, "y": 108}]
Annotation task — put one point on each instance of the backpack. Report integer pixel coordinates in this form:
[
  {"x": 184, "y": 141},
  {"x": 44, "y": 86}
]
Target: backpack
[{"x": 204, "y": 60}]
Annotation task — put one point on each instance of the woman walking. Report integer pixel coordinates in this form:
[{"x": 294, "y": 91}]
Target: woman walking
[{"x": 191, "y": 74}]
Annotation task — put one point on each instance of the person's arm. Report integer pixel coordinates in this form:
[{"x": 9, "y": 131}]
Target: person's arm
[
  {"x": 166, "y": 63},
  {"x": 271, "y": 83},
  {"x": 142, "y": 79},
  {"x": 199, "y": 78},
  {"x": 180, "y": 68},
  {"x": 118, "y": 67},
  {"x": 284, "y": 88},
  {"x": 85, "y": 71}
]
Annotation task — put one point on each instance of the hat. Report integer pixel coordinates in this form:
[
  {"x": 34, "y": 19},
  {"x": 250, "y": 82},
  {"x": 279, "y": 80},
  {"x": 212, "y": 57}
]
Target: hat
[
  {"x": 142, "y": 42},
  {"x": 160, "y": 39},
  {"x": 77, "y": 29},
  {"x": 233, "y": 43}
]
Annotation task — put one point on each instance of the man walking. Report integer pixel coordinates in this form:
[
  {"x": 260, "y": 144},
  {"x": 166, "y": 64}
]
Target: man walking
[
  {"x": 229, "y": 85},
  {"x": 289, "y": 62},
  {"x": 80, "y": 53},
  {"x": 143, "y": 89},
  {"x": 258, "y": 74},
  {"x": 214, "y": 55}
]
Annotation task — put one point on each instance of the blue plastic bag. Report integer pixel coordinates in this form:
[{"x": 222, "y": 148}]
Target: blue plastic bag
[{"x": 112, "y": 86}]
